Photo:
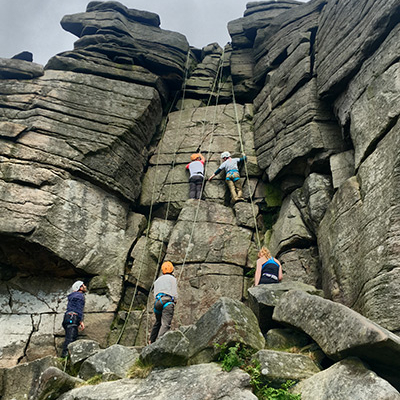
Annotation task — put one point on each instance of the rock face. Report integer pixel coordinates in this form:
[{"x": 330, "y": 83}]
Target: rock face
[{"x": 93, "y": 150}]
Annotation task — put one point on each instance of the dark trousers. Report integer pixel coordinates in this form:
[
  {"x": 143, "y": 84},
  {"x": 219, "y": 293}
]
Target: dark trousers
[
  {"x": 195, "y": 184},
  {"x": 70, "y": 325},
  {"x": 163, "y": 322}
]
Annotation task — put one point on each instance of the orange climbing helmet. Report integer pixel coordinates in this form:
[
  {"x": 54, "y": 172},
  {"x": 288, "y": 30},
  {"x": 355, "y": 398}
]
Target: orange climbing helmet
[
  {"x": 167, "y": 267},
  {"x": 195, "y": 156}
]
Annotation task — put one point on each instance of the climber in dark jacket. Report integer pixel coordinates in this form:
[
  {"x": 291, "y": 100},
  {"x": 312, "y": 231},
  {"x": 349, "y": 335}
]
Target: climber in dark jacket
[
  {"x": 73, "y": 317},
  {"x": 268, "y": 270}
]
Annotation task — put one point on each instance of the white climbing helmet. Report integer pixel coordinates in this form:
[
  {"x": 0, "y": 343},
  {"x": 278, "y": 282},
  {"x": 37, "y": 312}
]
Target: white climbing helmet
[
  {"x": 225, "y": 154},
  {"x": 76, "y": 286}
]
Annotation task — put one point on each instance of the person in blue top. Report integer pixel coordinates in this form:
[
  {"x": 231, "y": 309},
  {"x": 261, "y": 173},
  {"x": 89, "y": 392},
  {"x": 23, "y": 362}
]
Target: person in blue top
[
  {"x": 268, "y": 270},
  {"x": 73, "y": 317},
  {"x": 232, "y": 175}
]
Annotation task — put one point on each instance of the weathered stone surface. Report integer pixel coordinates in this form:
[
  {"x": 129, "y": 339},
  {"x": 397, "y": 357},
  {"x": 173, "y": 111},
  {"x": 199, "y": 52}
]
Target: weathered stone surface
[
  {"x": 358, "y": 241},
  {"x": 263, "y": 299},
  {"x": 342, "y": 167},
  {"x": 95, "y": 129},
  {"x": 21, "y": 382},
  {"x": 301, "y": 265},
  {"x": 278, "y": 366},
  {"x": 201, "y": 285},
  {"x": 384, "y": 57},
  {"x": 340, "y": 331},
  {"x": 213, "y": 129},
  {"x": 318, "y": 193},
  {"x": 53, "y": 383},
  {"x": 227, "y": 321},
  {"x": 245, "y": 214},
  {"x": 19, "y": 69},
  {"x": 290, "y": 230},
  {"x": 363, "y": 26},
  {"x": 295, "y": 129},
  {"x": 375, "y": 112},
  {"x": 285, "y": 339},
  {"x": 116, "y": 359},
  {"x": 347, "y": 379},
  {"x": 171, "y": 350},
  {"x": 195, "y": 382},
  {"x": 129, "y": 37},
  {"x": 80, "y": 350},
  {"x": 278, "y": 44},
  {"x": 215, "y": 242}
]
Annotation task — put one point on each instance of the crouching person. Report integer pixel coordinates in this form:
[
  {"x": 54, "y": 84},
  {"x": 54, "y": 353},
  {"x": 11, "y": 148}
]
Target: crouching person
[
  {"x": 165, "y": 293},
  {"x": 73, "y": 317}
]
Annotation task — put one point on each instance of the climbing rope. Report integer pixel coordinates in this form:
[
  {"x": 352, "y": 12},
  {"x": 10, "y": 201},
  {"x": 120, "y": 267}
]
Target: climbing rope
[
  {"x": 152, "y": 205},
  {"x": 246, "y": 168}
]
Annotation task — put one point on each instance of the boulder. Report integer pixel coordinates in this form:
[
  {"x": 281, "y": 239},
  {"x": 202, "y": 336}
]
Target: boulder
[
  {"x": 129, "y": 36},
  {"x": 21, "y": 382},
  {"x": 341, "y": 332},
  {"x": 285, "y": 339},
  {"x": 347, "y": 379},
  {"x": 264, "y": 298},
  {"x": 116, "y": 359},
  {"x": 279, "y": 366},
  {"x": 228, "y": 321},
  {"x": 53, "y": 383},
  {"x": 195, "y": 382},
  {"x": 19, "y": 69},
  {"x": 80, "y": 350},
  {"x": 170, "y": 350}
]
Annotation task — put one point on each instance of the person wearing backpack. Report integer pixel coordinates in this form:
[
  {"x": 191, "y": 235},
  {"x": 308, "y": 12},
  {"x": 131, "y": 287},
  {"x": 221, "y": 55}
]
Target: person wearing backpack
[
  {"x": 268, "y": 270},
  {"x": 165, "y": 297},
  {"x": 73, "y": 317}
]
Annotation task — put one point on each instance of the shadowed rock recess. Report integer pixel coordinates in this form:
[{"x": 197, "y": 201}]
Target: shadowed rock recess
[{"x": 93, "y": 186}]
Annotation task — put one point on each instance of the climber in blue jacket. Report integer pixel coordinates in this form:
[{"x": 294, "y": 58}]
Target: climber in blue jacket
[{"x": 73, "y": 317}]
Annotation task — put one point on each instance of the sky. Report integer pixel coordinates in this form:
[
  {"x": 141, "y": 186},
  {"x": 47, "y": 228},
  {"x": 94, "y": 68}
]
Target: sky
[{"x": 34, "y": 25}]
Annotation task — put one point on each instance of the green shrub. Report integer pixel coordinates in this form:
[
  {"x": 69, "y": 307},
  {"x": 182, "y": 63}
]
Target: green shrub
[{"x": 241, "y": 357}]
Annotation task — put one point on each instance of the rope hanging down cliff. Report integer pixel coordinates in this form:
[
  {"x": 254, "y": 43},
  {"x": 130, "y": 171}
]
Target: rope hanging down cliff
[{"x": 153, "y": 200}]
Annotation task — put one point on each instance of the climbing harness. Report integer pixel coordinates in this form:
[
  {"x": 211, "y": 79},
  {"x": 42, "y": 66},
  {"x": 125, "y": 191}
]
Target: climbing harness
[{"x": 159, "y": 305}]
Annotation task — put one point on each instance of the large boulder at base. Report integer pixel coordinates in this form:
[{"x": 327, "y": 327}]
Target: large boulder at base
[
  {"x": 341, "y": 332},
  {"x": 197, "y": 382},
  {"x": 171, "y": 350},
  {"x": 264, "y": 298},
  {"x": 347, "y": 379},
  {"x": 228, "y": 321},
  {"x": 80, "y": 350},
  {"x": 53, "y": 383},
  {"x": 116, "y": 359},
  {"x": 278, "y": 366},
  {"x": 21, "y": 382}
]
